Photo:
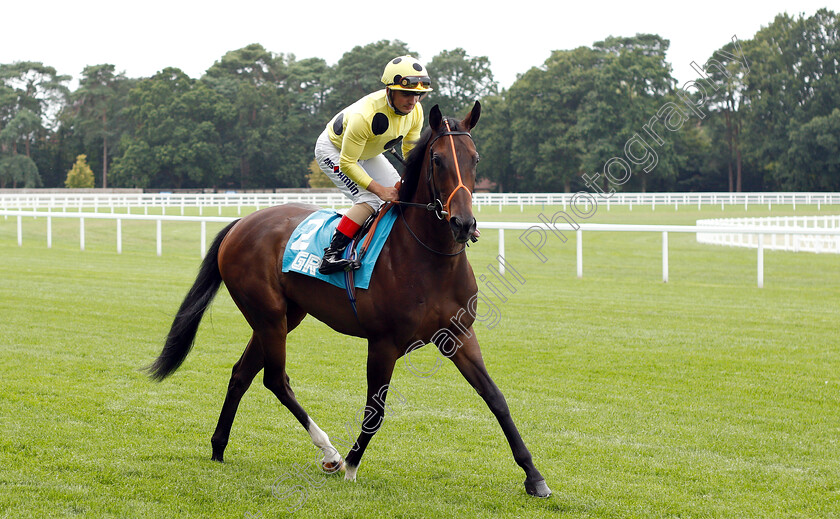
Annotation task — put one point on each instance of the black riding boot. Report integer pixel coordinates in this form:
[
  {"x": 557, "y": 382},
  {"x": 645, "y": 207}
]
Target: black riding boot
[{"x": 332, "y": 260}]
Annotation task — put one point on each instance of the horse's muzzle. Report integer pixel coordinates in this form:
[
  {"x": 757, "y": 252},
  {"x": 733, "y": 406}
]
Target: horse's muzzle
[{"x": 462, "y": 228}]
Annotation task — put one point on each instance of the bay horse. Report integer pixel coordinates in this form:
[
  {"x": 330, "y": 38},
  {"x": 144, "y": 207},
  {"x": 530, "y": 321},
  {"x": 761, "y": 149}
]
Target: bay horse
[{"x": 422, "y": 286}]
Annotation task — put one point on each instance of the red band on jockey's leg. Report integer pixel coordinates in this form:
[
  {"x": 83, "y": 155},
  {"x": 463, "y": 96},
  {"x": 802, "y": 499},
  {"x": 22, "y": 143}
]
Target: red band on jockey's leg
[{"x": 347, "y": 227}]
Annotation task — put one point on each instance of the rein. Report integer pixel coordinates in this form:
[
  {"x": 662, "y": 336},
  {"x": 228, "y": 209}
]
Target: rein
[{"x": 418, "y": 240}]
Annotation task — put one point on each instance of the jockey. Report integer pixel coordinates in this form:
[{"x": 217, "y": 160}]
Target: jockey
[{"x": 350, "y": 149}]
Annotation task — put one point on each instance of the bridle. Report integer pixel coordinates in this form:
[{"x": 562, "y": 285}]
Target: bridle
[{"x": 440, "y": 208}]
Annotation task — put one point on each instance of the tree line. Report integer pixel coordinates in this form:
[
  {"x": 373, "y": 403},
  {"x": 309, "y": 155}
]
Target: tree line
[{"x": 762, "y": 114}]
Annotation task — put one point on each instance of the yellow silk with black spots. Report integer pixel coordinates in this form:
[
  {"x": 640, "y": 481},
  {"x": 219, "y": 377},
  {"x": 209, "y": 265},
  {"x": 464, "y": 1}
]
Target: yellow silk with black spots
[{"x": 367, "y": 128}]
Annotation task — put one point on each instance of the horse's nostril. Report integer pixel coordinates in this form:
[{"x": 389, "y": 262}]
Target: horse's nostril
[
  {"x": 462, "y": 228},
  {"x": 457, "y": 223}
]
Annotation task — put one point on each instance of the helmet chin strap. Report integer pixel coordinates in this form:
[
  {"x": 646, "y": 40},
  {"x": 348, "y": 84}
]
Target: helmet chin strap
[{"x": 391, "y": 101}]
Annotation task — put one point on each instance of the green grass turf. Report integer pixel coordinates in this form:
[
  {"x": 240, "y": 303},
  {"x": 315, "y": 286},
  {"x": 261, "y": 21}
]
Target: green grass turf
[{"x": 702, "y": 397}]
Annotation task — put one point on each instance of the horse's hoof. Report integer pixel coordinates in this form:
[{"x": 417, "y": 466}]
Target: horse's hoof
[
  {"x": 350, "y": 473},
  {"x": 537, "y": 488},
  {"x": 218, "y": 451},
  {"x": 331, "y": 467}
]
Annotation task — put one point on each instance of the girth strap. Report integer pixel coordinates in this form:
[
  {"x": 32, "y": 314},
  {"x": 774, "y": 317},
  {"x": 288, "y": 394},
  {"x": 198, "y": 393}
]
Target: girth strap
[{"x": 356, "y": 255}]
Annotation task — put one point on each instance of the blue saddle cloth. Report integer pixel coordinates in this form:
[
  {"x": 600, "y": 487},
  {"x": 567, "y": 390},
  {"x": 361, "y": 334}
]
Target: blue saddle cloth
[{"x": 306, "y": 247}]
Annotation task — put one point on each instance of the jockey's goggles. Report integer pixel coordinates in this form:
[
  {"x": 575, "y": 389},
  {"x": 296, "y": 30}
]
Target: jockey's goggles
[{"x": 411, "y": 83}]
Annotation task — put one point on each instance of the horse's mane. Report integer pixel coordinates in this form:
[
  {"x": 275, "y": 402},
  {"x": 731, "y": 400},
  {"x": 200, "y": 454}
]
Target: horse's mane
[{"x": 413, "y": 170}]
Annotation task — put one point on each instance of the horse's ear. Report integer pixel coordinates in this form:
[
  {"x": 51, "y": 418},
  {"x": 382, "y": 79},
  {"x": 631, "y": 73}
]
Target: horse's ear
[
  {"x": 435, "y": 118},
  {"x": 471, "y": 119}
]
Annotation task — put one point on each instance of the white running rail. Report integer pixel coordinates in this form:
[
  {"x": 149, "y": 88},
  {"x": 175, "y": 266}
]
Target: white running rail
[
  {"x": 70, "y": 200},
  {"x": 533, "y": 235},
  {"x": 800, "y": 241}
]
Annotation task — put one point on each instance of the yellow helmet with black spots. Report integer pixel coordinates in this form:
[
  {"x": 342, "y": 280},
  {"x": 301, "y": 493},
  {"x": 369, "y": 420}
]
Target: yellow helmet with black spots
[{"x": 407, "y": 74}]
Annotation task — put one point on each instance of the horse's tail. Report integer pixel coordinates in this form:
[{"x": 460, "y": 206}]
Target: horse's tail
[{"x": 181, "y": 335}]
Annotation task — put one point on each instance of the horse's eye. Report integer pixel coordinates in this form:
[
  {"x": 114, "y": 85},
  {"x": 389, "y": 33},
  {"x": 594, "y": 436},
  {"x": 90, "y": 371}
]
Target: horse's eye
[
  {"x": 477, "y": 158},
  {"x": 436, "y": 160}
]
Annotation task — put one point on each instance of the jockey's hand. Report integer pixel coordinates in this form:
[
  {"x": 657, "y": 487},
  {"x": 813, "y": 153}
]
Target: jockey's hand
[{"x": 387, "y": 194}]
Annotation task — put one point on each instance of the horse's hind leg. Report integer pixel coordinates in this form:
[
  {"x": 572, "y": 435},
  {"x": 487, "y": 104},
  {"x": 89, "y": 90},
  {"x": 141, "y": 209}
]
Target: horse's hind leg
[
  {"x": 243, "y": 374},
  {"x": 244, "y": 371},
  {"x": 273, "y": 340}
]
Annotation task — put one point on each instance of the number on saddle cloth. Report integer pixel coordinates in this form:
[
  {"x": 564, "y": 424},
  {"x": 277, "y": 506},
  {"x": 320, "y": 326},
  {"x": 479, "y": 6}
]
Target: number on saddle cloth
[{"x": 306, "y": 247}]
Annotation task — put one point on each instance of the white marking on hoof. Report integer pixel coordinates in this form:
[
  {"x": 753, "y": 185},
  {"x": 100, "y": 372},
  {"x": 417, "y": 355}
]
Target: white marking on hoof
[
  {"x": 350, "y": 474},
  {"x": 322, "y": 441}
]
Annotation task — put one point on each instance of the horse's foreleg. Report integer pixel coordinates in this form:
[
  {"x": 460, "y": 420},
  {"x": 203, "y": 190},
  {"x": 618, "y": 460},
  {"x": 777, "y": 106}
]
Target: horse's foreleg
[
  {"x": 380, "y": 367},
  {"x": 243, "y": 374},
  {"x": 468, "y": 360}
]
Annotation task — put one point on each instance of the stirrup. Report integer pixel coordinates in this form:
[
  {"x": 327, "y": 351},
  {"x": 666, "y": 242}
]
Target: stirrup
[{"x": 329, "y": 266}]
